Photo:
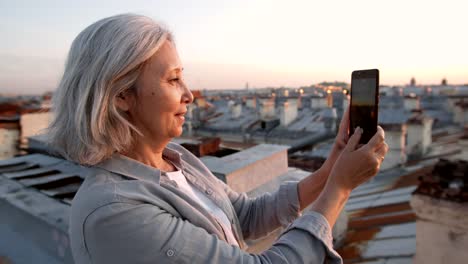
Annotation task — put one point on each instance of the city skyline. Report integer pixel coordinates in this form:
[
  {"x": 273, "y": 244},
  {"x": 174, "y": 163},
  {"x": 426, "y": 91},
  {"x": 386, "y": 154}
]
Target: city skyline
[{"x": 225, "y": 44}]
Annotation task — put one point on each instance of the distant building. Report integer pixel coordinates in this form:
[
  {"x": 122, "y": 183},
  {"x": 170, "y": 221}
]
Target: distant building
[
  {"x": 9, "y": 137},
  {"x": 21, "y": 118},
  {"x": 33, "y": 122}
]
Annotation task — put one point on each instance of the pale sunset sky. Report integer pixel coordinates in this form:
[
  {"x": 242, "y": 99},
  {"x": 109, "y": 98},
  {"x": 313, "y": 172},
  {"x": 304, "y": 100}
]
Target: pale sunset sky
[{"x": 225, "y": 44}]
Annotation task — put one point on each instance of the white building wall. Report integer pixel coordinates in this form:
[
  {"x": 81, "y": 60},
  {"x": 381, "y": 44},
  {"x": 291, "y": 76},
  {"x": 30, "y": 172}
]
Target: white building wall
[
  {"x": 251, "y": 103},
  {"x": 393, "y": 158},
  {"x": 460, "y": 115},
  {"x": 395, "y": 139},
  {"x": 396, "y": 148},
  {"x": 316, "y": 103},
  {"x": 267, "y": 109},
  {"x": 419, "y": 137},
  {"x": 427, "y": 134},
  {"x": 8, "y": 143},
  {"x": 288, "y": 113},
  {"x": 236, "y": 110},
  {"x": 411, "y": 103},
  {"x": 415, "y": 134},
  {"x": 345, "y": 103},
  {"x": 450, "y": 105},
  {"x": 34, "y": 123}
]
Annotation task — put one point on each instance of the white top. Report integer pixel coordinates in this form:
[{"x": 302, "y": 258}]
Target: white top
[{"x": 204, "y": 201}]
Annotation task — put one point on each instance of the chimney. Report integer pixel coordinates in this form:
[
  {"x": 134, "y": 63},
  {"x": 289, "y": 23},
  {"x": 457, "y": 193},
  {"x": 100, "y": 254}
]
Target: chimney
[
  {"x": 329, "y": 118},
  {"x": 251, "y": 102},
  {"x": 345, "y": 103},
  {"x": 235, "y": 110},
  {"x": 395, "y": 137},
  {"x": 419, "y": 134},
  {"x": 441, "y": 208},
  {"x": 267, "y": 109},
  {"x": 461, "y": 113},
  {"x": 412, "y": 102},
  {"x": 329, "y": 98},
  {"x": 317, "y": 102},
  {"x": 288, "y": 112}
]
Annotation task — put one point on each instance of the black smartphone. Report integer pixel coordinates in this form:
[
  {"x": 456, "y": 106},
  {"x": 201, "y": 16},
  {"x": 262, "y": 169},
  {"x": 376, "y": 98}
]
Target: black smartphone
[{"x": 364, "y": 103}]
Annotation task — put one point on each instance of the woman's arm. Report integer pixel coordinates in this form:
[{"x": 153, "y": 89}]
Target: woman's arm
[
  {"x": 310, "y": 187},
  {"x": 144, "y": 233},
  {"x": 354, "y": 166}
]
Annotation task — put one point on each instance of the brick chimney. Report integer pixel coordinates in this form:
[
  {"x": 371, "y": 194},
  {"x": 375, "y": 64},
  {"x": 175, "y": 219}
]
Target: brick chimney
[{"x": 441, "y": 208}]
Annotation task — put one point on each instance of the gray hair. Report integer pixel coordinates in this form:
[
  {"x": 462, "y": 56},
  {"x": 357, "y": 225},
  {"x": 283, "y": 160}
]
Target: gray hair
[{"x": 104, "y": 61}]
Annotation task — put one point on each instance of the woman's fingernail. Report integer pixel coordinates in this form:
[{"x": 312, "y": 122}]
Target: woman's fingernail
[{"x": 359, "y": 130}]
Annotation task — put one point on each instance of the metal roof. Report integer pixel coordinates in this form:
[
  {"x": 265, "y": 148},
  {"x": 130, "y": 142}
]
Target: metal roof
[
  {"x": 35, "y": 192},
  {"x": 382, "y": 226}
]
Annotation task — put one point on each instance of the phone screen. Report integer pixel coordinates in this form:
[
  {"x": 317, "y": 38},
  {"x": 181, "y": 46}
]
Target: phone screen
[{"x": 363, "y": 112}]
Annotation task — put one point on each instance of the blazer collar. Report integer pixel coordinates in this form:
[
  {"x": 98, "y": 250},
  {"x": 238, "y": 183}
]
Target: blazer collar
[{"x": 129, "y": 167}]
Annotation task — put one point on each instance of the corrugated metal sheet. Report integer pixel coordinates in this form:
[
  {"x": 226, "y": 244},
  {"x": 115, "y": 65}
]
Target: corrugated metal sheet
[{"x": 382, "y": 225}]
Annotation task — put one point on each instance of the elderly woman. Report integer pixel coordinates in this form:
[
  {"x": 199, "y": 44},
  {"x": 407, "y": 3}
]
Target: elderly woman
[{"x": 121, "y": 101}]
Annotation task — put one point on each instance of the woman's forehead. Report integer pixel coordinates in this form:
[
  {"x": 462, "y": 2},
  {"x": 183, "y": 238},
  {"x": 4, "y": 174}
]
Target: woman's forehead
[{"x": 166, "y": 60}]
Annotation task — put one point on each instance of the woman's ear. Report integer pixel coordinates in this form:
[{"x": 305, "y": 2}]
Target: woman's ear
[{"x": 123, "y": 101}]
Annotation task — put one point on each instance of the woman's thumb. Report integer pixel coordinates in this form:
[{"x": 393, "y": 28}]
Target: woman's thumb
[{"x": 354, "y": 140}]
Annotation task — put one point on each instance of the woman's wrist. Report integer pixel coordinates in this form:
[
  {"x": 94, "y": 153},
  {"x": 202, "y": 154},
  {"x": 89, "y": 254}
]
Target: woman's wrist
[
  {"x": 310, "y": 187},
  {"x": 331, "y": 201},
  {"x": 327, "y": 166}
]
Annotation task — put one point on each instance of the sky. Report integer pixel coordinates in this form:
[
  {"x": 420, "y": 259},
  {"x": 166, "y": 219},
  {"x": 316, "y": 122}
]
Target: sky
[{"x": 226, "y": 44}]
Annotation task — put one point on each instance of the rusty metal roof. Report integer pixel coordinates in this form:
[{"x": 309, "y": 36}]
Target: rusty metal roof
[{"x": 382, "y": 226}]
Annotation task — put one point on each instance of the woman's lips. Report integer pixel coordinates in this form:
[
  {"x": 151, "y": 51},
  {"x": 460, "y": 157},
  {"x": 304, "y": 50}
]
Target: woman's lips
[{"x": 181, "y": 116}]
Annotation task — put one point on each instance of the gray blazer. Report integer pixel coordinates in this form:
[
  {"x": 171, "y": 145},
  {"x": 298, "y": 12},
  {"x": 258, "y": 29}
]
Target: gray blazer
[{"x": 126, "y": 212}]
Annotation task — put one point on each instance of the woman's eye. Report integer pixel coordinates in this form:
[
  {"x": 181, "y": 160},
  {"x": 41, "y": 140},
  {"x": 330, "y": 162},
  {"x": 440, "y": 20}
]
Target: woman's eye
[{"x": 174, "y": 80}]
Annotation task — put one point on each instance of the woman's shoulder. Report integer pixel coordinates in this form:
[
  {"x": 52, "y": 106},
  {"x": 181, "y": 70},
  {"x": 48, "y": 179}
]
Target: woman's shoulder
[
  {"x": 102, "y": 187},
  {"x": 96, "y": 190}
]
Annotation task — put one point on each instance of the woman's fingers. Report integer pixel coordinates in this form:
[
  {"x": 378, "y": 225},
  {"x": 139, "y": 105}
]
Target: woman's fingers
[
  {"x": 344, "y": 127},
  {"x": 377, "y": 140},
  {"x": 382, "y": 151},
  {"x": 354, "y": 140},
  {"x": 343, "y": 135}
]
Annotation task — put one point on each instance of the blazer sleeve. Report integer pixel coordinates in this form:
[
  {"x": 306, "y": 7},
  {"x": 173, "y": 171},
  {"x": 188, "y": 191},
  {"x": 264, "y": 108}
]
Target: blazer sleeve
[
  {"x": 143, "y": 233},
  {"x": 260, "y": 215}
]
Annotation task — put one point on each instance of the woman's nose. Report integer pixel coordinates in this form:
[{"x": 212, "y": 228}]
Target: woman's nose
[{"x": 187, "y": 96}]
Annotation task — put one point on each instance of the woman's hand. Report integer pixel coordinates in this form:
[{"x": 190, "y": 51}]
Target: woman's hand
[
  {"x": 357, "y": 164},
  {"x": 310, "y": 187},
  {"x": 340, "y": 142}
]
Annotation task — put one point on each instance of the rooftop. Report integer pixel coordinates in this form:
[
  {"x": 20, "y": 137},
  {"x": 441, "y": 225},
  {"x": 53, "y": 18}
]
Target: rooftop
[{"x": 236, "y": 161}]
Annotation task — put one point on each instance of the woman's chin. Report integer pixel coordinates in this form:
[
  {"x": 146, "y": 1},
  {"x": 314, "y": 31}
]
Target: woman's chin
[{"x": 177, "y": 133}]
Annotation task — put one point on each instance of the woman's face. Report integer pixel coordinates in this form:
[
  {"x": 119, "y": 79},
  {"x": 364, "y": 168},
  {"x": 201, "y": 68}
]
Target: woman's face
[{"x": 161, "y": 99}]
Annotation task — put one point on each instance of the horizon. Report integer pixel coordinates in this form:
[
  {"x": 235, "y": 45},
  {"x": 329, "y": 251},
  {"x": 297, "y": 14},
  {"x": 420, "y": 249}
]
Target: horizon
[{"x": 225, "y": 44}]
